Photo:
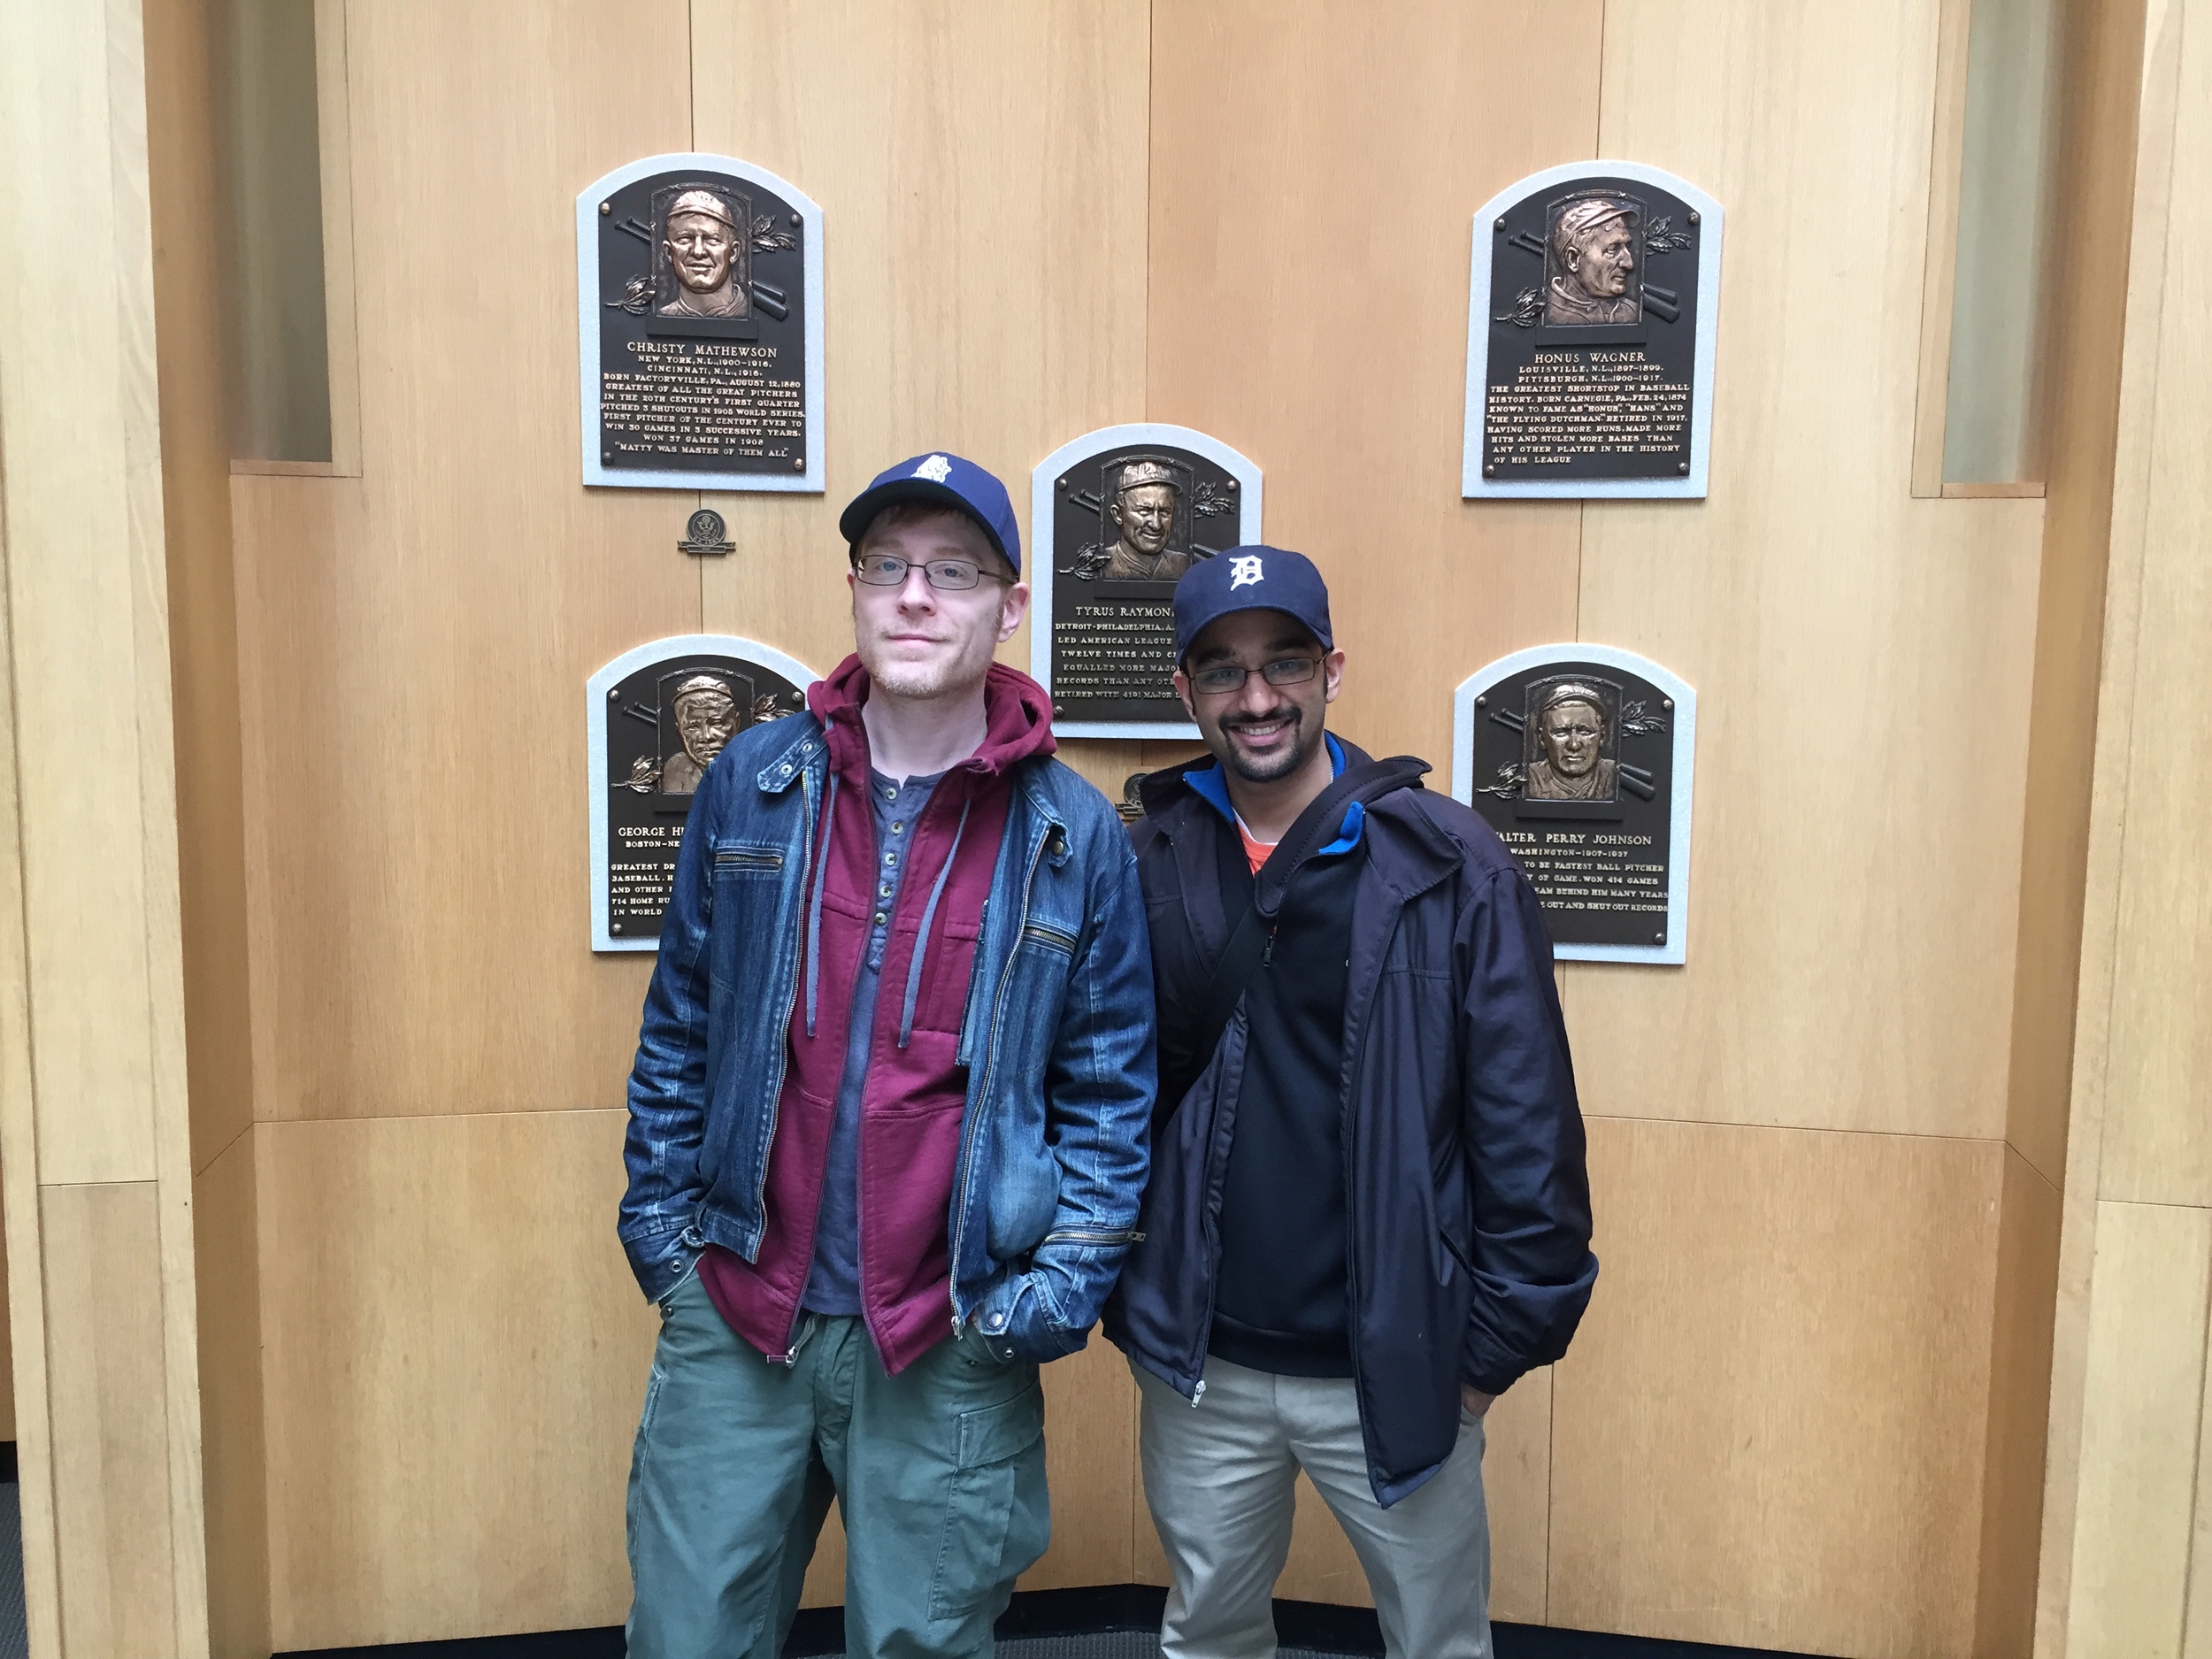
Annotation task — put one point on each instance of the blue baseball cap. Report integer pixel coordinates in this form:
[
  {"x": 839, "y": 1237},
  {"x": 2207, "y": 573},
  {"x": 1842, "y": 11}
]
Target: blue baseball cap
[
  {"x": 944, "y": 479},
  {"x": 1250, "y": 579}
]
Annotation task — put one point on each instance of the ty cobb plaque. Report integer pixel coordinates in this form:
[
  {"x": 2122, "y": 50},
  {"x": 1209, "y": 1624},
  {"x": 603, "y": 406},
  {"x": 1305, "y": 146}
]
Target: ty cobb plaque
[
  {"x": 657, "y": 717},
  {"x": 699, "y": 288},
  {"x": 1119, "y": 515},
  {"x": 1579, "y": 757},
  {"x": 1590, "y": 334}
]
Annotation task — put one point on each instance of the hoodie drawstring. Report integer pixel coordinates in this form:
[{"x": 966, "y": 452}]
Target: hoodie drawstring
[
  {"x": 814, "y": 905},
  {"x": 929, "y": 914}
]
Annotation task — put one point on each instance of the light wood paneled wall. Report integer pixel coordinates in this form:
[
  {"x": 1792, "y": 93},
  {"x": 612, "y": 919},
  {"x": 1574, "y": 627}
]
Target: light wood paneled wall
[
  {"x": 1855, "y": 880},
  {"x": 412, "y": 643},
  {"x": 93, "y": 1137},
  {"x": 183, "y": 38},
  {"x": 2127, "y": 1505},
  {"x": 1824, "y": 1268}
]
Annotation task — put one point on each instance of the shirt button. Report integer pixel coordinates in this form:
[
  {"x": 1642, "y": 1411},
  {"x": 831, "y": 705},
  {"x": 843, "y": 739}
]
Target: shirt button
[
  {"x": 884, "y": 892},
  {"x": 897, "y": 828},
  {"x": 879, "y": 919},
  {"x": 890, "y": 793},
  {"x": 890, "y": 858}
]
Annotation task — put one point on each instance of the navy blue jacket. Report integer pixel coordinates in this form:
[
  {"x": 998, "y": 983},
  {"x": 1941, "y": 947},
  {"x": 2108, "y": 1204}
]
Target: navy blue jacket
[{"x": 1467, "y": 1200}]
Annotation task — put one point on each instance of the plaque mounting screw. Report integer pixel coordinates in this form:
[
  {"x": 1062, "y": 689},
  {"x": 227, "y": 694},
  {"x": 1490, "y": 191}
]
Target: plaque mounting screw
[
  {"x": 605, "y": 208},
  {"x": 1064, "y": 483},
  {"x": 606, "y": 454},
  {"x": 1658, "y": 939},
  {"x": 1682, "y": 466},
  {"x": 798, "y": 463},
  {"x": 1500, "y": 226},
  {"x": 1233, "y": 483},
  {"x": 614, "y": 928},
  {"x": 1480, "y": 703},
  {"x": 1666, "y": 703},
  {"x": 1692, "y": 216},
  {"x": 613, "y": 693},
  {"x": 795, "y": 220},
  {"x": 1490, "y": 470}
]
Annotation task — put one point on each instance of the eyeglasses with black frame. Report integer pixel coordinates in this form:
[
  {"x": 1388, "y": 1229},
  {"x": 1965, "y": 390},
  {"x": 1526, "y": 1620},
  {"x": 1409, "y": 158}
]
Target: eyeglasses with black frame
[
  {"x": 1284, "y": 671},
  {"x": 888, "y": 569}
]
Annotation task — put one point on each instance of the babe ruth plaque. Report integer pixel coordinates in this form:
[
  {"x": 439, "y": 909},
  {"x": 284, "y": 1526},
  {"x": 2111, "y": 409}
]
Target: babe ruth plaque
[
  {"x": 699, "y": 288},
  {"x": 1117, "y": 517},
  {"x": 1594, "y": 295},
  {"x": 657, "y": 717},
  {"x": 1579, "y": 757}
]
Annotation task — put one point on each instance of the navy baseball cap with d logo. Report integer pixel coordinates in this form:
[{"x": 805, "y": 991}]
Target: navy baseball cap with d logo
[
  {"x": 1250, "y": 579},
  {"x": 947, "y": 480}
]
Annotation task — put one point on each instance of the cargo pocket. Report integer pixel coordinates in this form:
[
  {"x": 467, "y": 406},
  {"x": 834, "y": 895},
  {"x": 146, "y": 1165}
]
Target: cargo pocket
[{"x": 997, "y": 1521}]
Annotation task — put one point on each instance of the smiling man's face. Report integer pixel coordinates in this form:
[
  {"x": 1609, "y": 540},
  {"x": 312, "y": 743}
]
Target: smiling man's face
[
  {"x": 701, "y": 245},
  {"x": 1260, "y": 732}
]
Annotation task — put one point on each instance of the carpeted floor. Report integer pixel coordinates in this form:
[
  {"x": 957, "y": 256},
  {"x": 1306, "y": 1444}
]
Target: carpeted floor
[{"x": 15, "y": 1640}]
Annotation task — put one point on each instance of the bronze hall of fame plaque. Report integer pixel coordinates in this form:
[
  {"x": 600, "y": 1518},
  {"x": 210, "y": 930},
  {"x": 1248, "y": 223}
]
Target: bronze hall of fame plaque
[
  {"x": 1579, "y": 757},
  {"x": 1117, "y": 515},
  {"x": 1593, "y": 301},
  {"x": 699, "y": 326},
  {"x": 656, "y": 717}
]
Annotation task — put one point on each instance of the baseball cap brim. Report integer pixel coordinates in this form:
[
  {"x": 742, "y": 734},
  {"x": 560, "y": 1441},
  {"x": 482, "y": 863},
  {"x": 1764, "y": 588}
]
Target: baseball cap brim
[{"x": 853, "y": 523}]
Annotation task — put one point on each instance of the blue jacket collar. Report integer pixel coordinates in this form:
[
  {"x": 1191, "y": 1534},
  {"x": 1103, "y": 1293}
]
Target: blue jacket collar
[{"x": 1212, "y": 785}]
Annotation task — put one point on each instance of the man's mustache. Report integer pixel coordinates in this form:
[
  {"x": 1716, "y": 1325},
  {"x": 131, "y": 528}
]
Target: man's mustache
[{"x": 1237, "y": 723}]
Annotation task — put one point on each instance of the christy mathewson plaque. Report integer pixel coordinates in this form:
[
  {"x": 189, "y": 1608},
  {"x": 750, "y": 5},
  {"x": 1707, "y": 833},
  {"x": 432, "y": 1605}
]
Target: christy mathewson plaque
[
  {"x": 1594, "y": 296},
  {"x": 1579, "y": 757},
  {"x": 656, "y": 717},
  {"x": 699, "y": 290},
  {"x": 1117, "y": 515}
]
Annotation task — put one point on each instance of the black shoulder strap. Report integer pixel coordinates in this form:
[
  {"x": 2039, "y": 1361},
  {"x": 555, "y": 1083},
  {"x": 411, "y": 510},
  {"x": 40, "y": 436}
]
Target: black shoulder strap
[{"x": 1248, "y": 941}]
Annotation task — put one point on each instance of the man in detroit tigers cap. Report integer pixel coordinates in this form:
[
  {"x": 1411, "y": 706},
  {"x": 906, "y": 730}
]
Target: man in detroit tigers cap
[
  {"x": 888, "y": 1117},
  {"x": 1358, "y": 1332}
]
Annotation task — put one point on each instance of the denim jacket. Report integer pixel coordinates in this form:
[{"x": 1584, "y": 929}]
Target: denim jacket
[{"x": 1057, "y": 1039}]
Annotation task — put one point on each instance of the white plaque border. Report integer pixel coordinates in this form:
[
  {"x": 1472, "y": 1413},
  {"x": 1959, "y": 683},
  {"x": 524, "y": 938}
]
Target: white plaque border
[
  {"x": 595, "y": 690},
  {"x": 1042, "y": 514},
  {"x": 1472, "y": 485},
  {"x": 597, "y": 473},
  {"x": 1683, "y": 731}
]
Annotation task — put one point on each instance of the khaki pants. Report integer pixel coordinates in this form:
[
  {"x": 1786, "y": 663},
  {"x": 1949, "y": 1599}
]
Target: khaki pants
[{"x": 1221, "y": 1477}]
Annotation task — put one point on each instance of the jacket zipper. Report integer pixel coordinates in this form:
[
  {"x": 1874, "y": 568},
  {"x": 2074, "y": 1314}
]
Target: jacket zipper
[
  {"x": 990, "y": 1066},
  {"x": 790, "y": 1357},
  {"x": 1093, "y": 1235}
]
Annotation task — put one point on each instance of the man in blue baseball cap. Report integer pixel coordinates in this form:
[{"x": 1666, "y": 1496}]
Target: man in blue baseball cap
[
  {"x": 888, "y": 1116},
  {"x": 1368, "y": 1213}
]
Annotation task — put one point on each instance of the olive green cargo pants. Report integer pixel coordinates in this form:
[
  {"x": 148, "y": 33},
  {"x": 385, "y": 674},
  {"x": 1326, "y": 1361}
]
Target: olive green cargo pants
[{"x": 939, "y": 1473}]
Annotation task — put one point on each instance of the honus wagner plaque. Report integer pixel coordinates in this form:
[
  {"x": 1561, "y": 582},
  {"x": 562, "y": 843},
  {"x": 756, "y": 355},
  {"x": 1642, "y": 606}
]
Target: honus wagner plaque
[
  {"x": 656, "y": 718},
  {"x": 1118, "y": 516},
  {"x": 1591, "y": 324},
  {"x": 1579, "y": 757},
  {"x": 699, "y": 290}
]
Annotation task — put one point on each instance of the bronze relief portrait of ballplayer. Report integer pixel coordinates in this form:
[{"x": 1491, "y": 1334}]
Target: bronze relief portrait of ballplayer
[
  {"x": 701, "y": 235},
  {"x": 1143, "y": 509},
  {"x": 1593, "y": 260},
  {"x": 1571, "y": 732},
  {"x": 706, "y": 719}
]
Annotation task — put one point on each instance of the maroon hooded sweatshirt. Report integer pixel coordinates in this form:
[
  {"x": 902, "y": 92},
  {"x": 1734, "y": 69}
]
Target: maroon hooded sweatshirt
[{"x": 913, "y": 1100}]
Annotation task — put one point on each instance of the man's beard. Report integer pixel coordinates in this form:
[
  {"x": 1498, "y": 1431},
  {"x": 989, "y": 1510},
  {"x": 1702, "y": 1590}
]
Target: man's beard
[
  {"x": 958, "y": 671},
  {"x": 1296, "y": 754}
]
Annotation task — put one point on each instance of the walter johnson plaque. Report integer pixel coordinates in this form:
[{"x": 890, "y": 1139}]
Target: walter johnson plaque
[
  {"x": 1579, "y": 757},
  {"x": 657, "y": 717},
  {"x": 1590, "y": 333},
  {"x": 1119, "y": 515},
  {"x": 699, "y": 282}
]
